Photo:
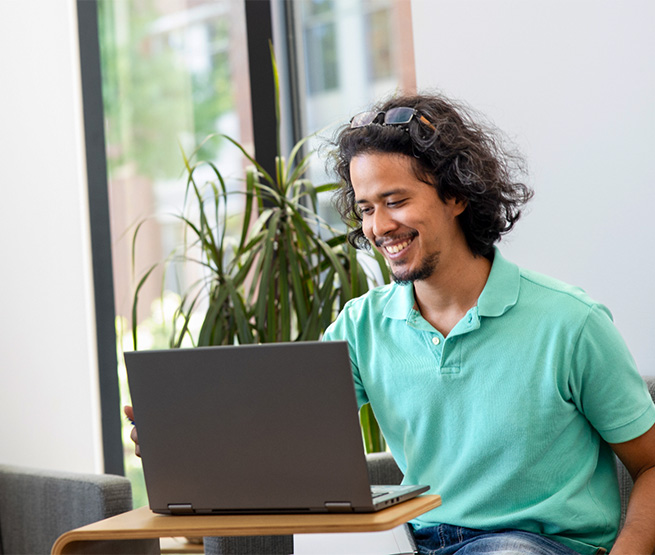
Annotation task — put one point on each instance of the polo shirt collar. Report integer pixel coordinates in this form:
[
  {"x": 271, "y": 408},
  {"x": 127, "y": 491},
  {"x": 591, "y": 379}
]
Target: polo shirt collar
[
  {"x": 401, "y": 303},
  {"x": 499, "y": 294},
  {"x": 502, "y": 289}
]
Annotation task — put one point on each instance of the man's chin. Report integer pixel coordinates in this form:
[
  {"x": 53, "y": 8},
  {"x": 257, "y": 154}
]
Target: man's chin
[
  {"x": 407, "y": 278},
  {"x": 410, "y": 275}
]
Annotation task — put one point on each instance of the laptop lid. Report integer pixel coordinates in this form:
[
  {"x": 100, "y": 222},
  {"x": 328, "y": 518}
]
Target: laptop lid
[{"x": 251, "y": 428}]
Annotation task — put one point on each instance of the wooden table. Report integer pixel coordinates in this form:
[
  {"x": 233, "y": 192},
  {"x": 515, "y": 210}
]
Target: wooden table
[{"x": 143, "y": 524}]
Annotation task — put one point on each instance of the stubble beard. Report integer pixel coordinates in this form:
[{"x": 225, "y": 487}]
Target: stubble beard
[{"x": 424, "y": 271}]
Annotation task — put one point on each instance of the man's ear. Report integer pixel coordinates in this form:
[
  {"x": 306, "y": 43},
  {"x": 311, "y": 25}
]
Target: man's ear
[{"x": 457, "y": 205}]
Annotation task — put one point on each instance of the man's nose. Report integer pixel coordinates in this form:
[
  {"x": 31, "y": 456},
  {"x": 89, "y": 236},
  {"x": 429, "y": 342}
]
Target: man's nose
[{"x": 383, "y": 223}]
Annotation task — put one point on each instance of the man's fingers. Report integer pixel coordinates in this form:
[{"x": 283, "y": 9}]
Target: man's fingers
[
  {"x": 129, "y": 412},
  {"x": 135, "y": 438}
]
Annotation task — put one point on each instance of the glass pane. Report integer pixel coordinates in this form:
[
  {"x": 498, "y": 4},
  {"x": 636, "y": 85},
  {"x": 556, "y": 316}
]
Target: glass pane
[
  {"x": 318, "y": 7},
  {"x": 322, "y": 66},
  {"x": 352, "y": 52},
  {"x": 380, "y": 41},
  {"x": 174, "y": 71}
]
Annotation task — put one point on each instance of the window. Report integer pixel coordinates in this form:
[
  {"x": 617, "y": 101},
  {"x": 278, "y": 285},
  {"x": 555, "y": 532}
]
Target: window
[{"x": 174, "y": 72}]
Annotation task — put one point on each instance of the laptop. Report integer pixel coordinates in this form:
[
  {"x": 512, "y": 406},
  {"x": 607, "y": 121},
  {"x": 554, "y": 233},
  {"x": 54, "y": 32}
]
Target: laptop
[{"x": 253, "y": 429}]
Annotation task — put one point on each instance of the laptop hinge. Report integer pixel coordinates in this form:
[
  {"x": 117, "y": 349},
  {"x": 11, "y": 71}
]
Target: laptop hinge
[
  {"x": 180, "y": 508},
  {"x": 338, "y": 506}
]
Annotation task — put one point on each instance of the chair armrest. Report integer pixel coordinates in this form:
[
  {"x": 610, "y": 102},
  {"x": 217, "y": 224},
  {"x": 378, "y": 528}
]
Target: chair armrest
[
  {"x": 37, "y": 506},
  {"x": 650, "y": 382}
]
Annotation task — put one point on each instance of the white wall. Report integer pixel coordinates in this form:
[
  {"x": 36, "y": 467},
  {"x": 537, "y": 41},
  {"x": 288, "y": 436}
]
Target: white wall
[
  {"x": 49, "y": 407},
  {"x": 572, "y": 82}
]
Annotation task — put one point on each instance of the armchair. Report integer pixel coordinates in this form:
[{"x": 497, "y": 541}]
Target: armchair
[{"x": 37, "y": 506}]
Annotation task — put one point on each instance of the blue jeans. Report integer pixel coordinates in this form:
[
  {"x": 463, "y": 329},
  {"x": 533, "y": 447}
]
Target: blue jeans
[{"x": 450, "y": 540}]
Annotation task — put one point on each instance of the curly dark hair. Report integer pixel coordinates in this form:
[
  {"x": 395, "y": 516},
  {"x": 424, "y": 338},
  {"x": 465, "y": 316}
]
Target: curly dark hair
[{"x": 461, "y": 158}]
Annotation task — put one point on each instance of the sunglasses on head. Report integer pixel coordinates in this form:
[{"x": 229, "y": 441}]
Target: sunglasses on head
[{"x": 401, "y": 115}]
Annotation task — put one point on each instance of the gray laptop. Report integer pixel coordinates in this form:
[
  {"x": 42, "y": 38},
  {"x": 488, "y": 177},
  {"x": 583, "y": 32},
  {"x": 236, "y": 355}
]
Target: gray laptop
[{"x": 253, "y": 429}]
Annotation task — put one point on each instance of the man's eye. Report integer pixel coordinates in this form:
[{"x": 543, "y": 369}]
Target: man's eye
[
  {"x": 363, "y": 210},
  {"x": 395, "y": 203}
]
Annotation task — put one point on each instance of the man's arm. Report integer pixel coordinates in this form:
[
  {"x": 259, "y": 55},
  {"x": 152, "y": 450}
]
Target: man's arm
[{"x": 638, "y": 534}]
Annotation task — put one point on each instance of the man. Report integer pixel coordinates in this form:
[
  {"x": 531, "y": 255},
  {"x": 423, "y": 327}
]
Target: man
[{"x": 505, "y": 390}]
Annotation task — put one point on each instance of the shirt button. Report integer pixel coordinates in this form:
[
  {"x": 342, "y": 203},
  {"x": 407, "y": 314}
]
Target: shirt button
[{"x": 436, "y": 340}]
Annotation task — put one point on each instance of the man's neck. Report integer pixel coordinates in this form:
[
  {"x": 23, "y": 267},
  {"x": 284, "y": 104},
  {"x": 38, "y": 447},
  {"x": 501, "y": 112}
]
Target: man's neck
[{"x": 445, "y": 297}]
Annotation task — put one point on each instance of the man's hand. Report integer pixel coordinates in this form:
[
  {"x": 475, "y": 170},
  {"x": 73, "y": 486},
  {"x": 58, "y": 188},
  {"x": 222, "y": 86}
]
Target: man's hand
[{"x": 129, "y": 412}]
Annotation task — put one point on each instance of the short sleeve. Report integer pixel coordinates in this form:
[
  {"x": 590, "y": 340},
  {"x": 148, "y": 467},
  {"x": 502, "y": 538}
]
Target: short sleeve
[
  {"x": 605, "y": 383},
  {"x": 341, "y": 330}
]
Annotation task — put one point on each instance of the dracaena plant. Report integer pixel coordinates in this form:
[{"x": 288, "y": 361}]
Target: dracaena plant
[{"x": 284, "y": 274}]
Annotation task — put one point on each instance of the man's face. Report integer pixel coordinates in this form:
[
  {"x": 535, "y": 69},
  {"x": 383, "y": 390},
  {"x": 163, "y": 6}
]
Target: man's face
[{"x": 403, "y": 217}]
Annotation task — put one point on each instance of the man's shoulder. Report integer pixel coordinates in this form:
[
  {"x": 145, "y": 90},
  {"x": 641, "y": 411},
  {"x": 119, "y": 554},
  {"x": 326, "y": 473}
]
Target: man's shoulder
[
  {"x": 510, "y": 285},
  {"x": 552, "y": 290}
]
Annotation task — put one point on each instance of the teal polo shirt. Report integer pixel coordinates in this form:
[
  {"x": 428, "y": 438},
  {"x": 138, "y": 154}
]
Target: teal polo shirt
[{"x": 505, "y": 417}]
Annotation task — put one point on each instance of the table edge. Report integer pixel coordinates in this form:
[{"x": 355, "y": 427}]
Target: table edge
[{"x": 371, "y": 522}]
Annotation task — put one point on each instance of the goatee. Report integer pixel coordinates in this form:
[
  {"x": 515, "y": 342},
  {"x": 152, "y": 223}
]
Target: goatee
[{"x": 424, "y": 271}]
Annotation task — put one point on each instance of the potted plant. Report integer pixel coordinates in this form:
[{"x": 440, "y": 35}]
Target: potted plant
[{"x": 283, "y": 276}]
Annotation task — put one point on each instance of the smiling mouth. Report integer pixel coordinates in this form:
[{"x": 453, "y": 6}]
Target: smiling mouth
[
  {"x": 396, "y": 247},
  {"x": 393, "y": 249}
]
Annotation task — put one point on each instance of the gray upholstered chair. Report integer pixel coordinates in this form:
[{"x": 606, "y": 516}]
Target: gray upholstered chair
[
  {"x": 37, "y": 506},
  {"x": 382, "y": 470}
]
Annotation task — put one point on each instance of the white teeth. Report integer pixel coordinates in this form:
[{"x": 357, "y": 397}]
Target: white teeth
[{"x": 393, "y": 249}]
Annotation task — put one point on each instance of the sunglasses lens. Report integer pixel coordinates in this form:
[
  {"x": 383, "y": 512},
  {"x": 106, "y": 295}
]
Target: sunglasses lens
[
  {"x": 398, "y": 115},
  {"x": 362, "y": 119}
]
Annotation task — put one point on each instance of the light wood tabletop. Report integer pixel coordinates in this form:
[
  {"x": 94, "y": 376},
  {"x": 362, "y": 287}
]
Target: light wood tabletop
[{"x": 142, "y": 523}]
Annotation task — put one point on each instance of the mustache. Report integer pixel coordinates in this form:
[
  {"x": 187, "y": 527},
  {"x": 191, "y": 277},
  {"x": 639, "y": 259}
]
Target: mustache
[{"x": 379, "y": 242}]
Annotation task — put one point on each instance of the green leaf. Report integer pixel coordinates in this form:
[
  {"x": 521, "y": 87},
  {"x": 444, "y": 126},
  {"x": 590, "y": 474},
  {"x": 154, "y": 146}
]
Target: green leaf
[
  {"x": 341, "y": 271},
  {"x": 299, "y": 293},
  {"x": 283, "y": 297},
  {"x": 209, "y": 334},
  {"x": 254, "y": 162},
  {"x": 276, "y": 79},
  {"x": 373, "y": 439},
  {"x": 250, "y": 187},
  {"x": 241, "y": 317},
  {"x": 135, "y": 302},
  {"x": 264, "y": 278}
]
